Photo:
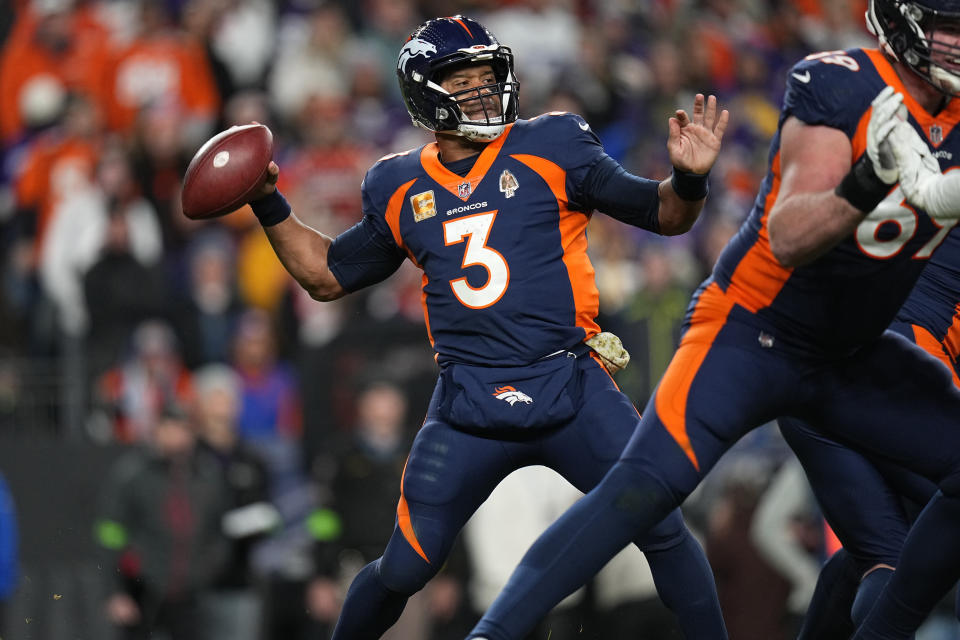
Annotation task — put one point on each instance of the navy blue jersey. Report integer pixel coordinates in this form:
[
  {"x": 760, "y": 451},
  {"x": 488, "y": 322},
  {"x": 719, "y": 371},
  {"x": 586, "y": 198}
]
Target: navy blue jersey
[
  {"x": 832, "y": 305},
  {"x": 506, "y": 277}
]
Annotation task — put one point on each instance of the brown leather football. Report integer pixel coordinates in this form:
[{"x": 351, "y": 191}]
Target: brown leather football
[{"x": 226, "y": 171}]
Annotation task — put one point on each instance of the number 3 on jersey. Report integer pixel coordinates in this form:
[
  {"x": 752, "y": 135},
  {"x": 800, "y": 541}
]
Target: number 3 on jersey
[{"x": 476, "y": 229}]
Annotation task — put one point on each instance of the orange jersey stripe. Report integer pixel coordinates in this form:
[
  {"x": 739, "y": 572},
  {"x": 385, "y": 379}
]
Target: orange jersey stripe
[
  {"x": 830, "y": 540},
  {"x": 926, "y": 341},
  {"x": 392, "y": 215},
  {"x": 671, "y": 399},
  {"x": 403, "y": 520},
  {"x": 859, "y": 141},
  {"x": 946, "y": 119},
  {"x": 573, "y": 237},
  {"x": 951, "y": 341},
  {"x": 426, "y": 313},
  {"x": 759, "y": 277},
  {"x": 394, "y": 207}
]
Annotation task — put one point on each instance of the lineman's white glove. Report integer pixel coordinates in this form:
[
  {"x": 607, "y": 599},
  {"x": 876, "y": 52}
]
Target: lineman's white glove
[
  {"x": 871, "y": 177},
  {"x": 921, "y": 181},
  {"x": 888, "y": 110}
]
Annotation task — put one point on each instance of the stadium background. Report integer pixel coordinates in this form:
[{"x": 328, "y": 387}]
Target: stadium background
[{"x": 110, "y": 299}]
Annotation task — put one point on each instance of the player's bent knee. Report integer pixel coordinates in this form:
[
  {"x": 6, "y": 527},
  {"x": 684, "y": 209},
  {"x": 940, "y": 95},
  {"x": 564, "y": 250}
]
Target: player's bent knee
[
  {"x": 406, "y": 578},
  {"x": 639, "y": 496},
  {"x": 403, "y": 570},
  {"x": 667, "y": 534}
]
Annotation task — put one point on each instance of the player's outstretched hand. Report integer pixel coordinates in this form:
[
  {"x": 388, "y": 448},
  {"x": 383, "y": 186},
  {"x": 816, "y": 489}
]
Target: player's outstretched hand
[
  {"x": 886, "y": 111},
  {"x": 694, "y": 144}
]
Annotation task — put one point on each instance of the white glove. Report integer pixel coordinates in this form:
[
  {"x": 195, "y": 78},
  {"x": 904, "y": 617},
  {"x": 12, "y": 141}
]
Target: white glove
[
  {"x": 888, "y": 110},
  {"x": 921, "y": 181}
]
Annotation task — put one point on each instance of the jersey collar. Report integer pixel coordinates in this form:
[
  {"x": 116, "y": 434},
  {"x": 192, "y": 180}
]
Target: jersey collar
[
  {"x": 944, "y": 121},
  {"x": 461, "y": 186}
]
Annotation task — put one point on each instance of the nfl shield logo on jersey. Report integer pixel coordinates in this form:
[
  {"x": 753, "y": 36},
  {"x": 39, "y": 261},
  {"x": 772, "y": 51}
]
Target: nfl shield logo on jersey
[
  {"x": 464, "y": 189},
  {"x": 936, "y": 134},
  {"x": 424, "y": 206}
]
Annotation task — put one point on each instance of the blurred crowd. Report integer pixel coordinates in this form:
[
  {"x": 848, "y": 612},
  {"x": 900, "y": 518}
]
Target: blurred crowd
[{"x": 266, "y": 431}]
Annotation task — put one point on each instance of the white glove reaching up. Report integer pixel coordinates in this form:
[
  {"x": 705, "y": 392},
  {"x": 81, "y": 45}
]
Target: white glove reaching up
[
  {"x": 888, "y": 110},
  {"x": 921, "y": 181}
]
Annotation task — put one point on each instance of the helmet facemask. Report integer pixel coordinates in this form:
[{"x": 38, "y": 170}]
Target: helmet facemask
[
  {"x": 906, "y": 32},
  {"x": 497, "y": 100}
]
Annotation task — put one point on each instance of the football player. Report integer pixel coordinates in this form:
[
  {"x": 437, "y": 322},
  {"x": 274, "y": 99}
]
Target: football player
[
  {"x": 868, "y": 502},
  {"x": 494, "y": 213},
  {"x": 792, "y": 321}
]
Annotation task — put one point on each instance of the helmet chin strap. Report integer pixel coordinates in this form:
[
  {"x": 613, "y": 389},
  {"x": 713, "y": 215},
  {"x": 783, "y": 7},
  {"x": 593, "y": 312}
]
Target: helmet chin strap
[
  {"x": 483, "y": 130},
  {"x": 480, "y": 133}
]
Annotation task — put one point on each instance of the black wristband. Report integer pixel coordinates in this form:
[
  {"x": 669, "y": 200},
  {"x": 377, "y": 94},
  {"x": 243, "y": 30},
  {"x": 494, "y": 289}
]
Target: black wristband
[
  {"x": 690, "y": 186},
  {"x": 861, "y": 187},
  {"x": 271, "y": 209}
]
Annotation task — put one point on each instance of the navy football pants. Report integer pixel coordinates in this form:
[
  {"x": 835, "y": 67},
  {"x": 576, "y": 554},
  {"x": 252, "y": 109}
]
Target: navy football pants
[
  {"x": 727, "y": 378},
  {"x": 449, "y": 473}
]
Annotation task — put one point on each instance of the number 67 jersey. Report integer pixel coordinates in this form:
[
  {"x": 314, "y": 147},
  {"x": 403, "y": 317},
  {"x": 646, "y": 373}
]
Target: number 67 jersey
[
  {"x": 849, "y": 295},
  {"x": 506, "y": 277}
]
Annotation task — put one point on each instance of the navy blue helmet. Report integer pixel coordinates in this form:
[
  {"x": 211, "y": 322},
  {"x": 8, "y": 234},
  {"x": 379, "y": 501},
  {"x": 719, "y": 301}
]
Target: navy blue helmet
[
  {"x": 440, "y": 46},
  {"x": 905, "y": 31}
]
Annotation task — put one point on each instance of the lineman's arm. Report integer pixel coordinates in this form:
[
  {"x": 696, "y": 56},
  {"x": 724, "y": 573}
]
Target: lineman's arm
[
  {"x": 809, "y": 218},
  {"x": 823, "y": 198},
  {"x": 301, "y": 249}
]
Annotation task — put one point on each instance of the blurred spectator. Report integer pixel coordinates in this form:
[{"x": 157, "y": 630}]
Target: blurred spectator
[
  {"x": 120, "y": 290},
  {"x": 54, "y": 47},
  {"x": 621, "y": 601},
  {"x": 322, "y": 175},
  {"x": 243, "y": 40},
  {"x": 270, "y": 423},
  {"x": 103, "y": 220},
  {"x": 9, "y": 569},
  {"x": 311, "y": 60},
  {"x": 233, "y": 609},
  {"x": 785, "y": 531},
  {"x": 270, "y": 404},
  {"x": 382, "y": 24},
  {"x": 160, "y": 527},
  {"x": 529, "y": 499},
  {"x": 57, "y": 166},
  {"x": 649, "y": 320},
  {"x": 160, "y": 158},
  {"x": 541, "y": 33},
  {"x": 208, "y": 311},
  {"x": 162, "y": 65},
  {"x": 131, "y": 395},
  {"x": 753, "y": 595},
  {"x": 354, "y": 525},
  {"x": 263, "y": 281}
]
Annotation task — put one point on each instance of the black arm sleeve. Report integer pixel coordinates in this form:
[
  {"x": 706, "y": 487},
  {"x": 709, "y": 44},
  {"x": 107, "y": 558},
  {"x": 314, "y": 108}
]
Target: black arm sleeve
[
  {"x": 364, "y": 254},
  {"x": 609, "y": 188}
]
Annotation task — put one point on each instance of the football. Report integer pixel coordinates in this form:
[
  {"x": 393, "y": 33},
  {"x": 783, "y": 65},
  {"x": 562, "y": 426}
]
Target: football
[{"x": 226, "y": 171}]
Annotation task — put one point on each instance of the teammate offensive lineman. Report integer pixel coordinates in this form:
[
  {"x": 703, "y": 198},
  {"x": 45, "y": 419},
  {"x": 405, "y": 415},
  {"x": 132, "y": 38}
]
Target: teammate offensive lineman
[
  {"x": 494, "y": 213},
  {"x": 791, "y": 322}
]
